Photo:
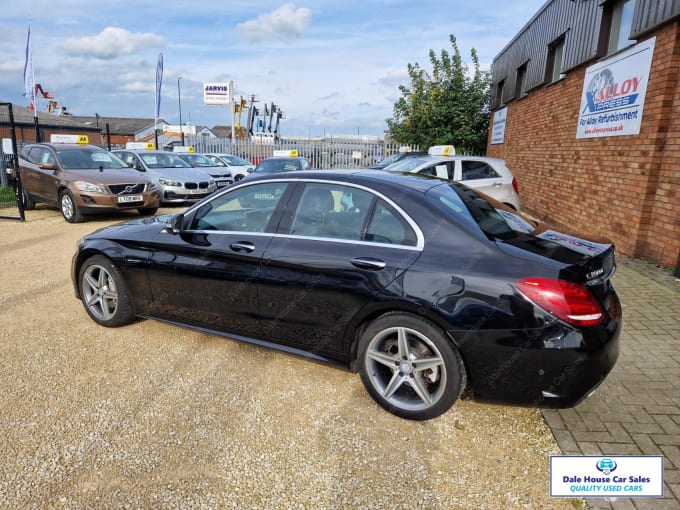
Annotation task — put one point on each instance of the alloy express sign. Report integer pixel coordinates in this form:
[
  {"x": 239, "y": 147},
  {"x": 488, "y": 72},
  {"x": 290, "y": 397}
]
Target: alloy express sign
[{"x": 614, "y": 93}]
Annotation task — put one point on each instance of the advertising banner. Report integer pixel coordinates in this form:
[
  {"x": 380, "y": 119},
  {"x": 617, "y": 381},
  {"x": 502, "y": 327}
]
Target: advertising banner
[
  {"x": 498, "y": 130},
  {"x": 216, "y": 94},
  {"x": 604, "y": 477},
  {"x": 614, "y": 93}
]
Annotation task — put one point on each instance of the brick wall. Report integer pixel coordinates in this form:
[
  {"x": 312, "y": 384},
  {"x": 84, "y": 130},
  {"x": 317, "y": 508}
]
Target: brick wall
[{"x": 626, "y": 188}]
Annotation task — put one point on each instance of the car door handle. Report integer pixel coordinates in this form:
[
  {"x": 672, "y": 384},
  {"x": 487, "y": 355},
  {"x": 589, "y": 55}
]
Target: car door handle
[
  {"x": 497, "y": 184},
  {"x": 242, "y": 245},
  {"x": 368, "y": 263}
]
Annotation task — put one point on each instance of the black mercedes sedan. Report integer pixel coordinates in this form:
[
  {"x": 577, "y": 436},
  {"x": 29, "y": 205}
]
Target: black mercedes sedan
[{"x": 424, "y": 287}]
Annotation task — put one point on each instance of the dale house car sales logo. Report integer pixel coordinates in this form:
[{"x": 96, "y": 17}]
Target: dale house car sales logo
[{"x": 590, "y": 476}]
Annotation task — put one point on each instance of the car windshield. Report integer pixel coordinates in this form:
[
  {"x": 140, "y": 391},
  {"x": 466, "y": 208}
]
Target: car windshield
[
  {"x": 271, "y": 166},
  {"x": 215, "y": 160},
  {"x": 406, "y": 164},
  {"x": 389, "y": 160},
  {"x": 198, "y": 160},
  {"x": 493, "y": 218},
  {"x": 163, "y": 160},
  {"x": 235, "y": 160},
  {"x": 85, "y": 158}
]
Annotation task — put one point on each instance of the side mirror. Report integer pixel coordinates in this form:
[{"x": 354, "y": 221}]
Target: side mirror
[{"x": 175, "y": 224}]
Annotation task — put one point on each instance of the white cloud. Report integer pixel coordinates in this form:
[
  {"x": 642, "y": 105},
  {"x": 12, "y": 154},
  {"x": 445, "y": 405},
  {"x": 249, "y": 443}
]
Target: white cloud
[
  {"x": 12, "y": 65},
  {"x": 282, "y": 24},
  {"x": 112, "y": 42}
]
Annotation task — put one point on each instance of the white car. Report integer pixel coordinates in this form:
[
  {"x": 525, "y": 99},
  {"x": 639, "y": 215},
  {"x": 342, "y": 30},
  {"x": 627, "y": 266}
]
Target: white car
[
  {"x": 239, "y": 167},
  {"x": 488, "y": 175}
]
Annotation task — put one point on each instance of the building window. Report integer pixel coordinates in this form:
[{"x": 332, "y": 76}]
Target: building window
[
  {"x": 617, "y": 22},
  {"x": 553, "y": 68},
  {"x": 500, "y": 89},
  {"x": 520, "y": 80}
]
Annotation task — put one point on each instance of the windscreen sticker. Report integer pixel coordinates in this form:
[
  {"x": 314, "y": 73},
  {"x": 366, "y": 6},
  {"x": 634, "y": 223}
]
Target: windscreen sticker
[
  {"x": 515, "y": 222},
  {"x": 101, "y": 157}
]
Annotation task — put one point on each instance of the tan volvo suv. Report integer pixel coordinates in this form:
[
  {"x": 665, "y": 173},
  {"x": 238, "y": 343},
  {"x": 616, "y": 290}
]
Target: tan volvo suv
[{"x": 82, "y": 180}]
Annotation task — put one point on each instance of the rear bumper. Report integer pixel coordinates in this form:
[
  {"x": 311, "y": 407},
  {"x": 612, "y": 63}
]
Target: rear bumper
[{"x": 555, "y": 366}]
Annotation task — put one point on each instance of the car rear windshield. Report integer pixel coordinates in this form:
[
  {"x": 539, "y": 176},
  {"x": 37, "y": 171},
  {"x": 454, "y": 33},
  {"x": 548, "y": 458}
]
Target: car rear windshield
[
  {"x": 496, "y": 220},
  {"x": 83, "y": 159}
]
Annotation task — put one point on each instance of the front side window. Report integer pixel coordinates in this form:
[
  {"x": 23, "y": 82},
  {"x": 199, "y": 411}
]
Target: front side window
[
  {"x": 246, "y": 209},
  {"x": 442, "y": 170}
]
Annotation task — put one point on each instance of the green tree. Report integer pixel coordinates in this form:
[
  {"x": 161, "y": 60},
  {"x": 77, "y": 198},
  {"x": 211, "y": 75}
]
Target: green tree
[{"x": 448, "y": 105}]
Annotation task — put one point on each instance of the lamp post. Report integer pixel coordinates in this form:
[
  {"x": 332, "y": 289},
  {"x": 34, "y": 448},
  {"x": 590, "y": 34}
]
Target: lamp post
[{"x": 179, "y": 99}]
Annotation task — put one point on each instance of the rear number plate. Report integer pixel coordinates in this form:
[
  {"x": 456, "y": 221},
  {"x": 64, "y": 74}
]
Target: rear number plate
[{"x": 130, "y": 198}]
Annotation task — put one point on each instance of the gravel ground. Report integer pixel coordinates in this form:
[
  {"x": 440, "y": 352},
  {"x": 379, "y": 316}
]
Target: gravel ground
[{"x": 156, "y": 416}]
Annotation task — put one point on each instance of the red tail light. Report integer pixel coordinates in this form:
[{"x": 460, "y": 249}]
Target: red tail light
[
  {"x": 515, "y": 186},
  {"x": 571, "y": 302}
]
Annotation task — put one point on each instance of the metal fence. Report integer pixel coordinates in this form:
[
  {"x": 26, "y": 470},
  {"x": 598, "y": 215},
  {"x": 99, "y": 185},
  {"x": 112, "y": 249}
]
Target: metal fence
[{"x": 323, "y": 154}]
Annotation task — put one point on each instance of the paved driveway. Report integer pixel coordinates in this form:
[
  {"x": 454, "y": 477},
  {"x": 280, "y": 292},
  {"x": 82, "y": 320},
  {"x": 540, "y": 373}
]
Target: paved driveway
[
  {"x": 154, "y": 416},
  {"x": 636, "y": 411}
]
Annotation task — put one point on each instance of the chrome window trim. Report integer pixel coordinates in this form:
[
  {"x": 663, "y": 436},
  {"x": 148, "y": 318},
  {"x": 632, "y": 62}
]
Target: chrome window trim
[{"x": 420, "y": 237}]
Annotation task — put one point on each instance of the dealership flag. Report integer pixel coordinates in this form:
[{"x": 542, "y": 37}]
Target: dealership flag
[
  {"x": 29, "y": 90},
  {"x": 159, "y": 82}
]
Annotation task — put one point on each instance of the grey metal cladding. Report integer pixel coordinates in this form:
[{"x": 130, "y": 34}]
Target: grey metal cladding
[
  {"x": 580, "y": 22},
  {"x": 650, "y": 13}
]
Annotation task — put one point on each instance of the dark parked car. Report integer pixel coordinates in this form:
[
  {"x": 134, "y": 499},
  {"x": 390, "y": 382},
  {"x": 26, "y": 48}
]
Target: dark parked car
[
  {"x": 279, "y": 164},
  {"x": 82, "y": 180},
  {"x": 422, "y": 286}
]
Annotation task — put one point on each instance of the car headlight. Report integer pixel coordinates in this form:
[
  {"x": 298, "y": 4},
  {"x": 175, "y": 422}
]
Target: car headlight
[
  {"x": 87, "y": 186},
  {"x": 167, "y": 182}
]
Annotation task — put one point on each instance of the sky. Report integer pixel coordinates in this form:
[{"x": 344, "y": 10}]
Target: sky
[{"x": 332, "y": 66}]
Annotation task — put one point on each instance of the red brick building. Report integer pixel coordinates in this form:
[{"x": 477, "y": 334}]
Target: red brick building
[{"x": 625, "y": 187}]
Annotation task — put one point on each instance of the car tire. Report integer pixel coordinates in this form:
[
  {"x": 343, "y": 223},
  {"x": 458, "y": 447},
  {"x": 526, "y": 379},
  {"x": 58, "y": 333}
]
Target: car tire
[
  {"x": 104, "y": 293},
  {"x": 28, "y": 202},
  {"x": 69, "y": 208},
  {"x": 147, "y": 211},
  {"x": 238, "y": 177},
  {"x": 410, "y": 367}
]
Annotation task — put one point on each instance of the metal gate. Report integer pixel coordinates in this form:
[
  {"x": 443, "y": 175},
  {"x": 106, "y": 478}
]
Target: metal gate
[{"x": 11, "y": 204}]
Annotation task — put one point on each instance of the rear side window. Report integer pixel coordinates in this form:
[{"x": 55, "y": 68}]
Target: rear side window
[
  {"x": 388, "y": 226},
  {"x": 336, "y": 211},
  {"x": 477, "y": 170}
]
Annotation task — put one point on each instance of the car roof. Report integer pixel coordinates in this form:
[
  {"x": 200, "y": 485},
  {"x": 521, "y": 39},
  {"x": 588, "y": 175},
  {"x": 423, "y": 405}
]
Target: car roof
[
  {"x": 386, "y": 181},
  {"x": 65, "y": 145}
]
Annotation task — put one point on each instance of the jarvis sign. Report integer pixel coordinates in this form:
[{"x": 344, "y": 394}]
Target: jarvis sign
[{"x": 614, "y": 93}]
